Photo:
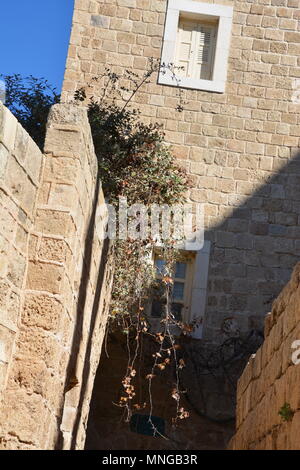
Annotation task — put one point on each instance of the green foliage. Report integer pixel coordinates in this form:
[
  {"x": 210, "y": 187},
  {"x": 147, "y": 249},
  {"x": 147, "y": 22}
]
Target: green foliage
[
  {"x": 134, "y": 162},
  {"x": 286, "y": 412},
  {"x": 30, "y": 100},
  {"x": 133, "y": 159}
]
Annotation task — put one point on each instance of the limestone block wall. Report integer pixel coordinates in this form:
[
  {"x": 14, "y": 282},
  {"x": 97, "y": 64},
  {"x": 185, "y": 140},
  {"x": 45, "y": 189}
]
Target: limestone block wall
[
  {"x": 272, "y": 379},
  {"x": 240, "y": 148},
  {"x": 21, "y": 164},
  {"x": 55, "y": 281}
]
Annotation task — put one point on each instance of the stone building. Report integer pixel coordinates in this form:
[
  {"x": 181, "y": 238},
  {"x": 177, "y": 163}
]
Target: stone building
[{"x": 238, "y": 136}]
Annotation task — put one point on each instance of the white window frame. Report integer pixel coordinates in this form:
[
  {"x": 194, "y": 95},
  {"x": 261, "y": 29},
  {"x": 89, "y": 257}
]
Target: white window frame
[
  {"x": 199, "y": 11},
  {"x": 189, "y": 260},
  {"x": 198, "y": 290}
]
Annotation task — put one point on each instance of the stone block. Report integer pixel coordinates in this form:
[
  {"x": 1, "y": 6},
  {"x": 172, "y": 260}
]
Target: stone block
[
  {"x": 16, "y": 268},
  {"x": 290, "y": 36},
  {"x": 33, "y": 343},
  {"x": 20, "y": 185},
  {"x": 6, "y": 344},
  {"x": 54, "y": 222},
  {"x": 31, "y": 375},
  {"x": 8, "y": 128},
  {"x": 42, "y": 311},
  {"x": 225, "y": 239},
  {"x": 45, "y": 277},
  {"x": 64, "y": 139},
  {"x": 21, "y": 143},
  {"x": 100, "y": 21},
  {"x": 33, "y": 162},
  {"x": 23, "y": 416},
  {"x": 21, "y": 239},
  {"x": 9, "y": 306},
  {"x": 69, "y": 417},
  {"x": 3, "y": 159},
  {"x": 3, "y": 377},
  {"x": 63, "y": 195},
  {"x": 53, "y": 249}
]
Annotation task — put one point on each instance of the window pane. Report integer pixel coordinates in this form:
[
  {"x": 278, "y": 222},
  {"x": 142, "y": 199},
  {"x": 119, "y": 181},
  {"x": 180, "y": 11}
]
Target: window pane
[
  {"x": 180, "y": 270},
  {"x": 160, "y": 266},
  {"x": 178, "y": 290},
  {"x": 176, "y": 310},
  {"x": 157, "y": 309}
]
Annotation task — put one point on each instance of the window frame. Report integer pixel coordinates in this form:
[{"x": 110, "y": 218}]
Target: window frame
[
  {"x": 197, "y": 10},
  {"x": 197, "y": 278},
  {"x": 189, "y": 259},
  {"x": 193, "y": 59}
]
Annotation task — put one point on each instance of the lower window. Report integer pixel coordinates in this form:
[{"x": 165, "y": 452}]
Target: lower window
[{"x": 181, "y": 286}]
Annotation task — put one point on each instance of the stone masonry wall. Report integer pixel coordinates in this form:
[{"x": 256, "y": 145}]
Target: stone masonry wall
[
  {"x": 240, "y": 148},
  {"x": 21, "y": 165},
  {"x": 271, "y": 379},
  {"x": 54, "y": 286}
]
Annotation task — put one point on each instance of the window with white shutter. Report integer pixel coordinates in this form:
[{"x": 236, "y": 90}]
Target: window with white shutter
[
  {"x": 195, "y": 49},
  {"x": 205, "y": 52},
  {"x": 197, "y": 41},
  {"x": 188, "y": 289}
]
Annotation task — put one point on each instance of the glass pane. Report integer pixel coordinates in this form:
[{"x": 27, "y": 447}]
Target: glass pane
[
  {"x": 160, "y": 266},
  {"x": 176, "y": 310},
  {"x": 178, "y": 290},
  {"x": 180, "y": 270},
  {"x": 157, "y": 309}
]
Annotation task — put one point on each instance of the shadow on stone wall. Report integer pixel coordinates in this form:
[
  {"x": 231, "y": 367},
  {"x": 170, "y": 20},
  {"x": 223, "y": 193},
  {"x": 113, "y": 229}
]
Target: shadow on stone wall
[
  {"x": 73, "y": 378},
  {"x": 253, "y": 251}
]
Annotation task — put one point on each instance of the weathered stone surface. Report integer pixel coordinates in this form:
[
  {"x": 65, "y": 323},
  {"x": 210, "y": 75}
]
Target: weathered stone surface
[
  {"x": 33, "y": 162},
  {"x": 44, "y": 319},
  {"x": 23, "y": 417},
  {"x": 42, "y": 311},
  {"x": 54, "y": 249},
  {"x": 3, "y": 159},
  {"x": 54, "y": 222},
  {"x": 61, "y": 169},
  {"x": 21, "y": 144},
  {"x": 45, "y": 277},
  {"x": 272, "y": 380},
  {"x": 8, "y": 128}
]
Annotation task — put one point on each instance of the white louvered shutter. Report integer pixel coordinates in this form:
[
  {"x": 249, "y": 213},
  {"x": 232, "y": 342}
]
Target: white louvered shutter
[
  {"x": 204, "y": 52},
  {"x": 185, "y": 45},
  {"x": 195, "y": 49}
]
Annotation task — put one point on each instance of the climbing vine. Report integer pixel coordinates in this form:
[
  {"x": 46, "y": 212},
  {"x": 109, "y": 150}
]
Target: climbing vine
[{"x": 135, "y": 163}]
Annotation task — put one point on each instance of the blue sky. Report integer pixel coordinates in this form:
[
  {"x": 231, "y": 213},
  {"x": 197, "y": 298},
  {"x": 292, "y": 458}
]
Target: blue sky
[{"x": 34, "y": 38}]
